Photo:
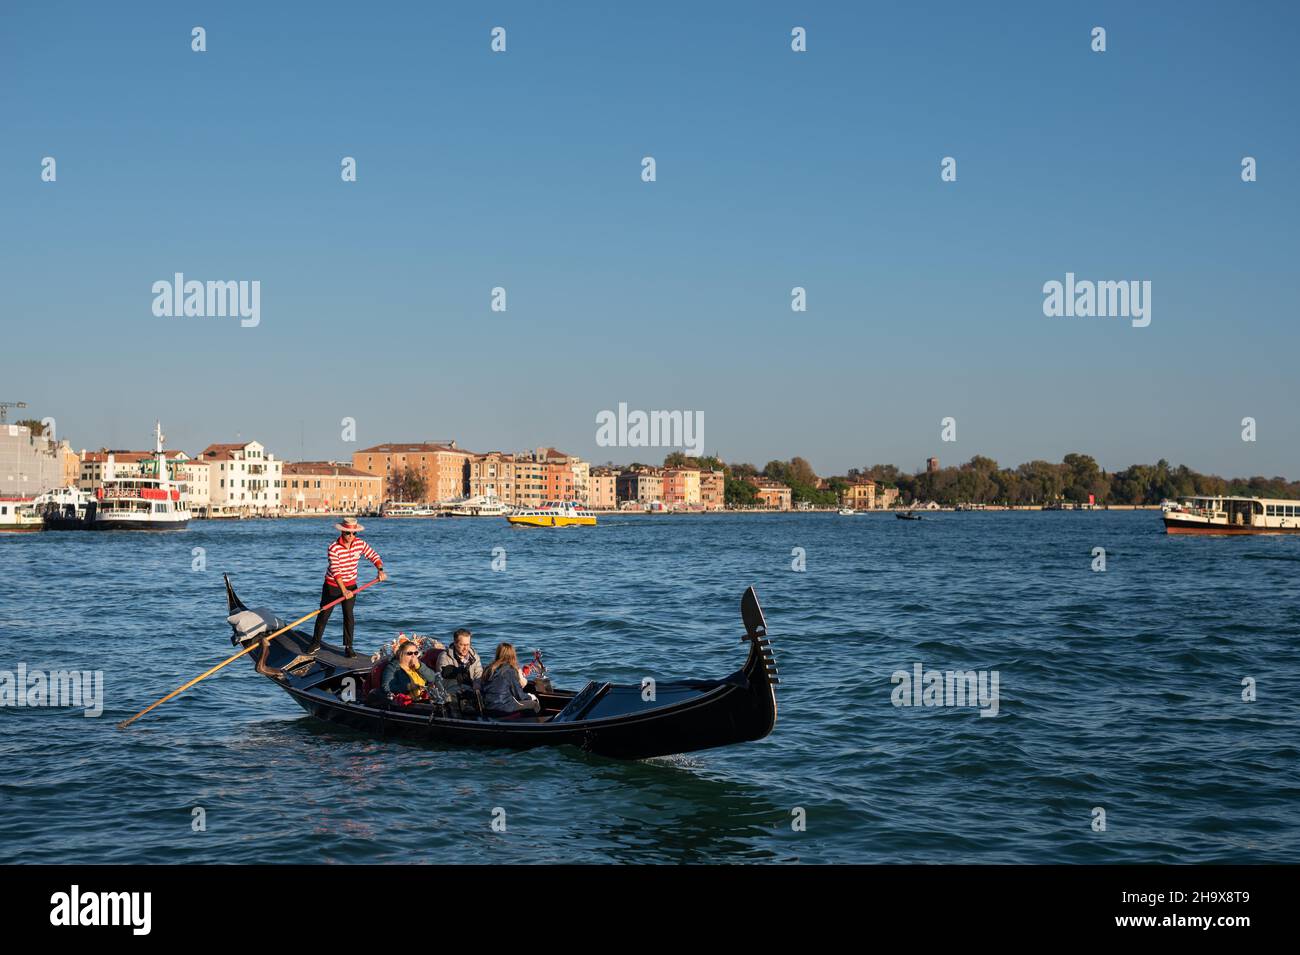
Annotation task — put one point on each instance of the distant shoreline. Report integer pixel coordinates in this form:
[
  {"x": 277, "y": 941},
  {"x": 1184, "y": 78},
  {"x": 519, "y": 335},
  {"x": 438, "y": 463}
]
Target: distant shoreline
[{"x": 728, "y": 513}]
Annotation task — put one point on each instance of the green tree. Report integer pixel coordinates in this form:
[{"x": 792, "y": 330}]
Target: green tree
[
  {"x": 407, "y": 485},
  {"x": 739, "y": 493}
]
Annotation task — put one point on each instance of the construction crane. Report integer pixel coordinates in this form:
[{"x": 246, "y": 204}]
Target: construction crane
[{"x": 6, "y": 405}]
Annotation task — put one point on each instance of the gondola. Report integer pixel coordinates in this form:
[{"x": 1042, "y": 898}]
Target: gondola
[{"x": 603, "y": 718}]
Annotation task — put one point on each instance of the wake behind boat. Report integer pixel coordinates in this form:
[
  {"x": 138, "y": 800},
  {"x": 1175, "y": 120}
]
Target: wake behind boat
[{"x": 609, "y": 719}]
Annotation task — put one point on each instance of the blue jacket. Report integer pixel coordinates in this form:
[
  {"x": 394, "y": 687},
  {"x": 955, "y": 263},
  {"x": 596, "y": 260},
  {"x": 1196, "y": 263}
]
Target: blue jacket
[{"x": 502, "y": 692}]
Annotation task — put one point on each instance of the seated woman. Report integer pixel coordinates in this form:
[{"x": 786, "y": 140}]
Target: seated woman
[
  {"x": 503, "y": 685},
  {"x": 407, "y": 674}
]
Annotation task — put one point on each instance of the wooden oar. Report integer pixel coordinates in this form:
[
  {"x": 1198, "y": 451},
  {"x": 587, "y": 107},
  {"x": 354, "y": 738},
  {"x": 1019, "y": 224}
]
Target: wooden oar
[{"x": 256, "y": 642}]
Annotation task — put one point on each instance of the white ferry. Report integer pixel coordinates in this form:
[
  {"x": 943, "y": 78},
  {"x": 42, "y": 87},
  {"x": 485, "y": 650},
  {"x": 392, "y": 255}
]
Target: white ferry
[
  {"x": 1232, "y": 515},
  {"x": 554, "y": 514},
  {"x": 481, "y": 506},
  {"x": 19, "y": 514},
  {"x": 148, "y": 503},
  {"x": 407, "y": 509},
  {"x": 67, "y": 509}
]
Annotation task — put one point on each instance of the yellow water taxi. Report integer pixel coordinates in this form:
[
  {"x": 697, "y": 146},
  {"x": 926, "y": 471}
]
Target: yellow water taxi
[{"x": 553, "y": 514}]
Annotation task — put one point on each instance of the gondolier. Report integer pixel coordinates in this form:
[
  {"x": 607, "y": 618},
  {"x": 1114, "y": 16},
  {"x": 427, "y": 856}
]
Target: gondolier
[{"x": 341, "y": 578}]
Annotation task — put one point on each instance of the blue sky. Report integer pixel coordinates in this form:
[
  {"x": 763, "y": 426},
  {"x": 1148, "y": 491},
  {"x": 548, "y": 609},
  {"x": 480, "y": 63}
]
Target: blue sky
[{"x": 775, "y": 169}]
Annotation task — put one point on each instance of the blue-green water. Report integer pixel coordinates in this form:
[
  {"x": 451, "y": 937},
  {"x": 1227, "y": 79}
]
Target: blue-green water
[{"x": 1119, "y": 689}]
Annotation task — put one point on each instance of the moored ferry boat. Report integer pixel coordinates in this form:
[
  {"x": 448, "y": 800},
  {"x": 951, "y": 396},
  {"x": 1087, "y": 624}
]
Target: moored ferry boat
[
  {"x": 19, "y": 514},
  {"x": 1233, "y": 515},
  {"x": 407, "y": 509},
  {"x": 553, "y": 514},
  {"x": 481, "y": 506},
  {"x": 67, "y": 509},
  {"x": 145, "y": 503}
]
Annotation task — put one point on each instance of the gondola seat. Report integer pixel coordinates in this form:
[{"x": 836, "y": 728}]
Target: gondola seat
[{"x": 373, "y": 680}]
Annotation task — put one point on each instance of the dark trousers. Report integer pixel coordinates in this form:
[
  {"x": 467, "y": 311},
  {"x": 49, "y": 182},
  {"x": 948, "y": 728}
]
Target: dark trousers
[{"x": 328, "y": 594}]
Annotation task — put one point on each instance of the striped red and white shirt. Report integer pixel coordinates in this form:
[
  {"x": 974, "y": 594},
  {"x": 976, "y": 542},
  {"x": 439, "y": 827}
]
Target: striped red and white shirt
[{"x": 343, "y": 560}]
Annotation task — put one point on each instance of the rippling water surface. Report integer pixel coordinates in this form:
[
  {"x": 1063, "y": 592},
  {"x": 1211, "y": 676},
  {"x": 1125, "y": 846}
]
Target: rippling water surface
[{"x": 1120, "y": 690}]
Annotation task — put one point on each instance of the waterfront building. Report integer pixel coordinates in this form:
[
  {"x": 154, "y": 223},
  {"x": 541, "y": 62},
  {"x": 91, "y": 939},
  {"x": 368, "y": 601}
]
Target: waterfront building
[
  {"x": 772, "y": 494},
  {"x": 886, "y": 496},
  {"x": 859, "y": 495},
  {"x": 330, "y": 487},
  {"x": 444, "y": 467},
  {"x": 29, "y": 463},
  {"x": 713, "y": 487},
  {"x": 643, "y": 486},
  {"x": 195, "y": 480},
  {"x": 492, "y": 475},
  {"x": 530, "y": 478},
  {"x": 243, "y": 478},
  {"x": 681, "y": 488},
  {"x": 71, "y": 465},
  {"x": 564, "y": 476},
  {"x": 602, "y": 489}
]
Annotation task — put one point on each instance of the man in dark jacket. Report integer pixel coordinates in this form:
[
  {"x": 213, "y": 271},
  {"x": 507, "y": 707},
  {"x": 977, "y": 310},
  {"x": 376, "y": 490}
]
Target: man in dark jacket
[{"x": 459, "y": 663}]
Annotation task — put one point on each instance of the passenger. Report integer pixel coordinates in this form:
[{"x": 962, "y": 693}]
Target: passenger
[
  {"x": 459, "y": 663},
  {"x": 503, "y": 685},
  {"x": 407, "y": 674}
]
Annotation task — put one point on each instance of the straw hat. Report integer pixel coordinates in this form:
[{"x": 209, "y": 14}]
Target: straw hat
[{"x": 349, "y": 525}]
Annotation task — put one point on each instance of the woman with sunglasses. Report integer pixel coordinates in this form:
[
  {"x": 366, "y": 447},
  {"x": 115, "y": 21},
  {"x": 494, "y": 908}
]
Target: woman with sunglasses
[{"x": 407, "y": 674}]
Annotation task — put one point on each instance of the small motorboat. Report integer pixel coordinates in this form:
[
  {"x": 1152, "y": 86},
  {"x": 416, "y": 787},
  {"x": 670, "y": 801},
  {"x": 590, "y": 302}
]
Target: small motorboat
[
  {"x": 908, "y": 516},
  {"x": 608, "y": 719},
  {"x": 848, "y": 512}
]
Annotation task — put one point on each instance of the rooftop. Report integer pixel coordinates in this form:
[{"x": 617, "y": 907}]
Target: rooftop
[{"x": 326, "y": 468}]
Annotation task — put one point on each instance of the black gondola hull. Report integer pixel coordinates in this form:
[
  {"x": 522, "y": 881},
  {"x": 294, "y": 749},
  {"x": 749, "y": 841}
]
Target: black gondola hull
[{"x": 701, "y": 714}]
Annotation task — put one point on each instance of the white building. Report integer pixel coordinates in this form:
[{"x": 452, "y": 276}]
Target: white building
[
  {"x": 29, "y": 464},
  {"x": 243, "y": 478},
  {"x": 195, "y": 479}
]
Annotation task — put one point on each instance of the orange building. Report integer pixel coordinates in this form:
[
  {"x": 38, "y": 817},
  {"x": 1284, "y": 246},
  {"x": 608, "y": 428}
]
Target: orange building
[
  {"x": 681, "y": 488},
  {"x": 602, "y": 489},
  {"x": 530, "y": 478},
  {"x": 329, "y": 487},
  {"x": 444, "y": 467},
  {"x": 772, "y": 494},
  {"x": 713, "y": 487}
]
